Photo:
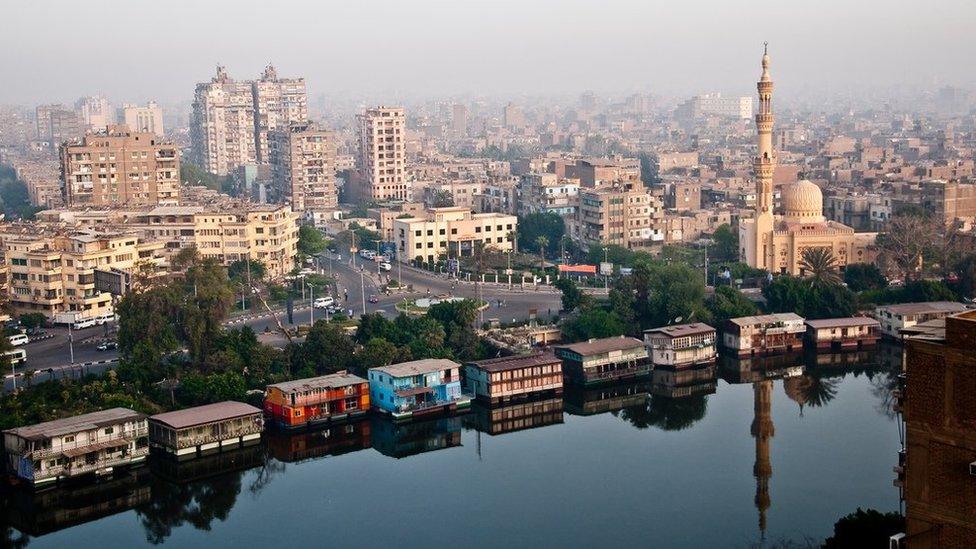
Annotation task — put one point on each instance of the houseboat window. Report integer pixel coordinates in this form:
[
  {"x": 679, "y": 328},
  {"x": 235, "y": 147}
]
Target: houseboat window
[
  {"x": 109, "y": 430},
  {"x": 69, "y": 438}
]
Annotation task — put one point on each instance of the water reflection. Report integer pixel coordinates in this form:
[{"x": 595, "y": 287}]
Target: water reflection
[
  {"x": 497, "y": 420},
  {"x": 400, "y": 440},
  {"x": 609, "y": 398},
  {"x": 332, "y": 441}
]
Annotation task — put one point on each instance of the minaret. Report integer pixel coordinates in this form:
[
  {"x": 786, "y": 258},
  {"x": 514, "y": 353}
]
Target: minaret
[
  {"x": 763, "y": 166},
  {"x": 762, "y": 431}
]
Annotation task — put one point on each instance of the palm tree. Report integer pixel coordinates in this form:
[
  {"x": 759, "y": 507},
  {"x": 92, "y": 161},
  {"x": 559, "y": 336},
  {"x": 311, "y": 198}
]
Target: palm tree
[
  {"x": 542, "y": 242},
  {"x": 513, "y": 238},
  {"x": 820, "y": 265}
]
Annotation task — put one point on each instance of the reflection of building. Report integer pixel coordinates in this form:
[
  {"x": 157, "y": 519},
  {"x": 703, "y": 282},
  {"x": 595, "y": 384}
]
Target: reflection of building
[
  {"x": 94, "y": 443},
  {"x": 681, "y": 344},
  {"x": 400, "y": 440},
  {"x": 604, "y": 360},
  {"x": 208, "y": 428},
  {"x": 764, "y": 334},
  {"x": 496, "y": 420},
  {"x": 209, "y": 466},
  {"x": 304, "y": 402},
  {"x": 682, "y": 382},
  {"x": 608, "y": 398},
  {"x": 762, "y": 430},
  {"x": 417, "y": 387},
  {"x": 895, "y": 318},
  {"x": 758, "y": 368},
  {"x": 505, "y": 378},
  {"x": 940, "y": 410},
  {"x": 776, "y": 243},
  {"x": 332, "y": 441}
]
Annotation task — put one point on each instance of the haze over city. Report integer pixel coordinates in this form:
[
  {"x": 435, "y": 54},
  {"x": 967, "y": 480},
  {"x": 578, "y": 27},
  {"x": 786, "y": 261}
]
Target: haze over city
[{"x": 432, "y": 48}]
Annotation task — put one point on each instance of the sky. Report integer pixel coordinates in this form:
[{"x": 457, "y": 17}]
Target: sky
[{"x": 134, "y": 50}]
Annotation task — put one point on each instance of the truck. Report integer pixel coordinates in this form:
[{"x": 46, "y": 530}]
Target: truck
[{"x": 68, "y": 317}]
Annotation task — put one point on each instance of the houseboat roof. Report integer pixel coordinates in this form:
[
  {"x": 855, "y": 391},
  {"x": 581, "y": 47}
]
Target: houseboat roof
[
  {"x": 682, "y": 330},
  {"x": 760, "y": 319},
  {"x": 417, "y": 367},
  {"x": 341, "y": 379},
  {"x": 924, "y": 307},
  {"x": 516, "y": 362},
  {"x": 842, "y": 322},
  {"x": 605, "y": 345},
  {"x": 76, "y": 424},
  {"x": 209, "y": 413},
  {"x": 932, "y": 330}
]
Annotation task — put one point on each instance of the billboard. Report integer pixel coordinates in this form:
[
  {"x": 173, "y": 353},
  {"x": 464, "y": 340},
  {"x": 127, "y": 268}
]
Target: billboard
[
  {"x": 115, "y": 282},
  {"x": 581, "y": 269},
  {"x": 606, "y": 268}
]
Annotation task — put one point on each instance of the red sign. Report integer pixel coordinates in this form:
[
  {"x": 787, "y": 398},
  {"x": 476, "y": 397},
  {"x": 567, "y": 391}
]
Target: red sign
[{"x": 587, "y": 269}]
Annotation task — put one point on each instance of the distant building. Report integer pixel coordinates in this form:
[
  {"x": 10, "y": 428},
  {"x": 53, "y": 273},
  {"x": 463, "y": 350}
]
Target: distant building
[
  {"x": 681, "y": 345},
  {"x": 144, "y": 119},
  {"x": 382, "y": 154},
  {"x": 411, "y": 389},
  {"x": 302, "y": 159},
  {"x": 547, "y": 193},
  {"x": 505, "y": 378},
  {"x": 715, "y": 104},
  {"x": 95, "y": 112},
  {"x": 278, "y": 103},
  {"x": 56, "y": 123},
  {"x": 199, "y": 430},
  {"x": 512, "y": 117},
  {"x": 624, "y": 214},
  {"x": 316, "y": 400},
  {"x": 604, "y": 360},
  {"x": 764, "y": 334},
  {"x": 95, "y": 443},
  {"x": 120, "y": 166},
  {"x": 459, "y": 120},
  {"x": 895, "y": 318},
  {"x": 451, "y": 232}
]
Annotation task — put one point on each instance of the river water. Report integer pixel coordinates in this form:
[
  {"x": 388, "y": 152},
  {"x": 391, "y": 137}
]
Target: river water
[{"x": 745, "y": 453}]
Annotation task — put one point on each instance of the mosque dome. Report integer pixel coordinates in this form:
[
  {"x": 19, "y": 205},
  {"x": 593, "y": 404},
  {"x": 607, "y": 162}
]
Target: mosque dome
[{"x": 802, "y": 201}]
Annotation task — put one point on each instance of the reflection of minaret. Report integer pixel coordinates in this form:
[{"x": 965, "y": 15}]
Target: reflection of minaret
[
  {"x": 762, "y": 431},
  {"x": 763, "y": 166}
]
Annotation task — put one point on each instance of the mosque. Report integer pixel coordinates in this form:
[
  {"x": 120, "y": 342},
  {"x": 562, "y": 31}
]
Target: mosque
[{"x": 775, "y": 242}]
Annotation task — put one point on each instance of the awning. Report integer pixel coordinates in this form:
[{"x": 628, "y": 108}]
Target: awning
[{"x": 80, "y": 451}]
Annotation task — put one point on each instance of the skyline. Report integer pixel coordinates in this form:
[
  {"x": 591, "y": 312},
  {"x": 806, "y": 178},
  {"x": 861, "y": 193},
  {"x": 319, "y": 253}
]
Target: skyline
[{"x": 488, "y": 49}]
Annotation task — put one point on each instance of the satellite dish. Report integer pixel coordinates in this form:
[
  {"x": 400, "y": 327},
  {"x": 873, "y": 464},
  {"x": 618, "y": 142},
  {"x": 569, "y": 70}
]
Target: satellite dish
[{"x": 679, "y": 319}]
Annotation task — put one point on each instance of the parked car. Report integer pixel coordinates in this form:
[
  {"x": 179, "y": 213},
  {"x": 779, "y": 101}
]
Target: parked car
[
  {"x": 385, "y": 266},
  {"x": 108, "y": 345},
  {"x": 373, "y": 298},
  {"x": 18, "y": 339}
]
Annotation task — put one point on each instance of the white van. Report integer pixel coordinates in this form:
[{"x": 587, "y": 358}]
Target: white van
[
  {"x": 18, "y": 339},
  {"x": 323, "y": 302},
  {"x": 107, "y": 317},
  {"x": 83, "y": 323},
  {"x": 16, "y": 356}
]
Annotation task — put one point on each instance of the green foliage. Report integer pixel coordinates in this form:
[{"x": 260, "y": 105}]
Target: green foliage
[
  {"x": 573, "y": 297},
  {"x": 195, "y": 175},
  {"x": 965, "y": 270},
  {"x": 593, "y": 323},
  {"x": 32, "y": 320},
  {"x": 867, "y": 529},
  {"x": 196, "y": 389},
  {"x": 727, "y": 302},
  {"x": 547, "y": 225},
  {"x": 658, "y": 294},
  {"x": 726, "y": 244},
  {"x": 808, "y": 299},
  {"x": 310, "y": 240},
  {"x": 15, "y": 196},
  {"x": 326, "y": 350},
  {"x": 237, "y": 271},
  {"x": 864, "y": 276},
  {"x": 914, "y": 291}
]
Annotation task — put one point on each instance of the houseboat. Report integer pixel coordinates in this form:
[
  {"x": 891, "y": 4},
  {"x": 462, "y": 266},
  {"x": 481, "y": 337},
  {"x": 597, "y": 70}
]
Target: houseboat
[
  {"x": 681, "y": 345},
  {"x": 95, "y": 443},
  {"x": 894, "y": 318},
  {"x": 764, "y": 334},
  {"x": 512, "y": 377},
  {"x": 190, "y": 432},
  {"x": 316, "y": 400},
  {"x": 604, "y": 360},
  {"x": 842, "y": 333},
  {"x": 417, "y": 388}
]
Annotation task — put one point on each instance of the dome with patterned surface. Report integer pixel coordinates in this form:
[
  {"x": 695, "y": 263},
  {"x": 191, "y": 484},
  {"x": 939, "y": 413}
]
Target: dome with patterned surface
[{"x": 802, "y": 201}]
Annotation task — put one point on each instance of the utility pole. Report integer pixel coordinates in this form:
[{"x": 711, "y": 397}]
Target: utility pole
[
  {"x": 362, "y": 285},
  {"x": 311, "y": 306},
  {"x": 606, "y": 277}
]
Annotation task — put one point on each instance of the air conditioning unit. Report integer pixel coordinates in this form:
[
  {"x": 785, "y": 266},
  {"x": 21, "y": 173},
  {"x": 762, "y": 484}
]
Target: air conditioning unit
[{"x": 897, "y": 541}]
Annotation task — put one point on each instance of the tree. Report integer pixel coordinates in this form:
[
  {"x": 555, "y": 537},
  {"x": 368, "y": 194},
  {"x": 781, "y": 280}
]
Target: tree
[
  {"x": 820, "y": 265},
  {"x": 442, "y": 199},
  {"x": 572, "y": 296},
  {"x": 542, "y": 242},
  {"x": 727, "y": 302},
  {"x": 237, "y": 271},
  {"x": 377, "y": 352},
  {"x": 868, "y": 529},
  {"x": 791, "y": 294},
  {"x": 726, "y": 244},
  {"x": 593, "y": 323},
  {"x": 534, "y": 225},
  {"x": 326, "y": 350},
  {"x": 31, "y": 321},
  {"x": 905, "y": 242},
  {"x": 864, "y": 276},
  {"x": 310, "y": 241}
]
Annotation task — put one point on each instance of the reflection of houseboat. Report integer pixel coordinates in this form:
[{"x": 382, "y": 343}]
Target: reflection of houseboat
[
  {"x": 334, "y": 440},
  {"x": 399, "y": 440},
  {"x": 510, "y": 377},
  {"x": 210, "y": 465},
  {"x": 213, "y": 427},
  {"x": 838, "y": 334},
  {"x": 496, "y": 420},
  {"x": 681, "y": 345},
  {"x": 317, "y": 400},
  {"x": 604, "y": 360},
  {"x": 682, "y": 382},
  {"x": 764, "y": 334},
  {"x": 94, "y": 443},
  {"x": 609, "y": 398},
  {"x": 46, "y": 511},
  {"x": 418, "y": 387},
  {"x": 850, "y": 359},
  {"x": 753, "y": 369}
]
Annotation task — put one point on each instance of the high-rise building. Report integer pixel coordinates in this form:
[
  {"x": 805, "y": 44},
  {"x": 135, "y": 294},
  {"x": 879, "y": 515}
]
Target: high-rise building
[
  {"x": 302, "y": 159},
  {"x": 459, "y": 120},
  {"x": 715, "y": 104},
  {"x": 56, "y": 123},
  {"x": 625, "y": 214},
  {"x": 278, "y": 102},
  {"x": 95, "y": 112},
  {"x": 513, "y": 118},
  {"x": 144, "y": 119},
  {"x": 382, "y": 154},
  {"x": 222, "y": 127},
  {"x": 120, "y": 166}
]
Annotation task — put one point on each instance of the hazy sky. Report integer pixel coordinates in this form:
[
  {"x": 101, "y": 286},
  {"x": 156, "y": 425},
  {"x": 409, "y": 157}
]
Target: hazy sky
[{"x": 137, "y": 49}]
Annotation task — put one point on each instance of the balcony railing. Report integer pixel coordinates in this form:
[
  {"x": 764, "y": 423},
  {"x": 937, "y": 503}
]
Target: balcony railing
[{"x": 127, "y": 436}]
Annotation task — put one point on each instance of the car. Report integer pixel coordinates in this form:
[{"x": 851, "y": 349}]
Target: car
[
  {"x": 306, "y": 272},
  {"x": 385, "y": 266},
  {"x": 18, "y": 339},
  {"x": 108, "y": 345},
  {"x": 323, "y": 302},
  {"x": 108, "y": 317},
  {"x": 83, "y": 323},
  {"x": 373, "y": 298}
]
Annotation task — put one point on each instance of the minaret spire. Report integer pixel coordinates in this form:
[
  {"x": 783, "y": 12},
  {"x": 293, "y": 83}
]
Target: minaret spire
[{"x": 764, "y": 164}]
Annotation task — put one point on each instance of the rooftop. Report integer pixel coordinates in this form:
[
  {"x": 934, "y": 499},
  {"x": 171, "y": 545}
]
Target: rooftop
[
  {"x": 842, "y": 322},
  {"x": 761, "y": 319},
  {"x": 501, "y": 364},
  {"x": 209, "y": 413},
  {"x": 924, "y": 307},
  {"x": 341, "y": 379},
  {"x": 75, "y": 424},
  {"x": 681, "y": 330},
  {"x": 597, "y": 346},
  {"x": 417, "y": 367}
]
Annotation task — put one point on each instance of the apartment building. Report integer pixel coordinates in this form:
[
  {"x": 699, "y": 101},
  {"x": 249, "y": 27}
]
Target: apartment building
[
  {"x": 546, "y": 192},
  {"x": 715, "y": 104},
  {"x": 121, "y": 167},
  {"x": 222, "y": 126},
  {"x": 95, "y": 112},
  {"x": 266, "y": 232},
  {"x": 43, "y": 180},
  {"x": 462, "y": 193},
  {"x": 895, "y": 318},
  {"x": 624, "y": 214},
  {"x": 56, "y": 274},
  {"x": 148, "y": 118},
  {"x": 56, "y": 123},
  {"x": 278, "y": 103},
  {"x": 302, "y": 159},
  {"x": 382, "y": 154},
  {"x": 97, "y": 443},
  {"x": 452, "y": 232}
]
